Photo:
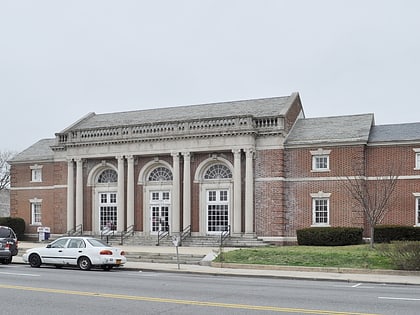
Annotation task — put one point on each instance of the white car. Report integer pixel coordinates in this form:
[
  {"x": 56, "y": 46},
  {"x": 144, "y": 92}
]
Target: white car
[{"x": 84, "y": 252}]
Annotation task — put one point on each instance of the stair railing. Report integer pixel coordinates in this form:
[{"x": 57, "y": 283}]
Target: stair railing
[
  {"x": 78, "y": 230},
  {"x": 162, "y": 234},
  {"x": 127, "y": 233},
  {"x": 224, "y": 235},
  {"x": 186, "y": 233}
]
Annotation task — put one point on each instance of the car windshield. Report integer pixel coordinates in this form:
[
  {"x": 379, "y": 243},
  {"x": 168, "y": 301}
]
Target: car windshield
[
  {"x": 4, "y": 232},
  {"x": 97, "y": 243}
]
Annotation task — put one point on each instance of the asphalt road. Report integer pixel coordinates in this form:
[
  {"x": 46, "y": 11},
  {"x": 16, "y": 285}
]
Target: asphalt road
[{"x": 47, "y": 290}]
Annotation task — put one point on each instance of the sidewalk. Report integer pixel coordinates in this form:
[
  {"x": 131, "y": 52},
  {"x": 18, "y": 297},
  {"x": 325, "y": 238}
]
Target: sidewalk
[{"x": 336, "y": 274}]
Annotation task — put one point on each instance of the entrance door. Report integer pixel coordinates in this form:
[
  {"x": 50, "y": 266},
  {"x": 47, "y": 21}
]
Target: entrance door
[
  {"x": 159, "y": 211},
  {"x": 217, "y": 211},
  {"x": 108, "y": 210}
]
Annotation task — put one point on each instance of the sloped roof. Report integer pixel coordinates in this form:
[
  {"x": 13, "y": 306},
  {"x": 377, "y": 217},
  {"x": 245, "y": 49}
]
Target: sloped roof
[
  {"x": 395, "y": 132},
  {"x": 330, "y": 130},
  {"x": 265, "y": 107},
  {"x": 41, "y": 150}
]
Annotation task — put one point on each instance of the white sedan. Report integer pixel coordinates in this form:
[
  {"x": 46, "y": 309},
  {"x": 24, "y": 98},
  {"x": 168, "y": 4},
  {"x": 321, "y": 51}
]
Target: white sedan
[{"x": 84, "y": 252}]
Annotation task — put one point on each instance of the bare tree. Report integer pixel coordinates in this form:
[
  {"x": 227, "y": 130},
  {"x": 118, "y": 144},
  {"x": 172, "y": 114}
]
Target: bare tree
[
  {"x": 372, "y": 194},
  {"x": 5, "y": 169}
]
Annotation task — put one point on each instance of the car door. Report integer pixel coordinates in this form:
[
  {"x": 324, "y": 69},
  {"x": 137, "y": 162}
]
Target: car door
[
  {"x": 74, "y": 248},
  {"x": 52, "y": 254}
]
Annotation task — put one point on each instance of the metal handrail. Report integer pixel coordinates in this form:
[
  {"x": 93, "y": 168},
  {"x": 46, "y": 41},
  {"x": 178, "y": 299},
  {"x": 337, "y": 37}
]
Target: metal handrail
[
  {"x": 125, "y": 234},
  {"x": 162, "y": 235},
  {"x": 224, "y": 235},
  {"x": 186, "y": 233},
  {"x": 78, "y": 230}
]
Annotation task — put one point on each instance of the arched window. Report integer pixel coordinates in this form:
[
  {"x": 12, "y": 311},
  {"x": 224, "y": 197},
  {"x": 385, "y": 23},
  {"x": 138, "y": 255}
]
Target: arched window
[
  {"x": 160, "y": 173},
  {"x": 108, "y": 176},
  {"x": 218, "y": 171}
]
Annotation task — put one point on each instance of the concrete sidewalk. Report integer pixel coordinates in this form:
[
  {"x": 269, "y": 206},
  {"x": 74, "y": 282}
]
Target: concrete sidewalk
[{"x": 336, "y": 274}]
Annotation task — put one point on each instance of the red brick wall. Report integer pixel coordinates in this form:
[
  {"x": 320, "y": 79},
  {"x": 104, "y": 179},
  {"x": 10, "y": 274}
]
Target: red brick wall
[{"x": 269, "y": 199}]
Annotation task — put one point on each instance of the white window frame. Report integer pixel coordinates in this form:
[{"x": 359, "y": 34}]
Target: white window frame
[
  {"x": 317, "y": 197},
  {"x": 417, "y": 210},
  {"x": 417, "y": 159},
  {"x": 36, "y": 173},
  {"x": 36, "y": 211},
  {"x": 316, "y": 156}
]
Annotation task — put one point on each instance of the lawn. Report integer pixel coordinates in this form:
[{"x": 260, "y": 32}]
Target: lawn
[{"x": 355, "y": 256}]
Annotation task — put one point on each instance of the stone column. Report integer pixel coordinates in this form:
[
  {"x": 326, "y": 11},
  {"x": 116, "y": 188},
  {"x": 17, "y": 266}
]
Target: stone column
[
  {"x": 187, "y": 190},
  {"x": 120, "y": 194},
  {"x": 237, "y": 193},
  {"x": 249, "y": 192},
  {"x": 175, "y": 194},
  {"x": 130, "y": 190},
  {"x": 79, "y": 191},
  {"x": 70, "y": 195}
]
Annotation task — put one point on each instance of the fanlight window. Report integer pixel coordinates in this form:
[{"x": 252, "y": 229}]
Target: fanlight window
[
  {"x": 160, "y": 174},
  {"x": 108, "y": 176},
  {"x": 218, "y": 171}
]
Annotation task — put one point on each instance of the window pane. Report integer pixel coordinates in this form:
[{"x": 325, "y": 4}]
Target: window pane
[{"x": 321, "y": 211}]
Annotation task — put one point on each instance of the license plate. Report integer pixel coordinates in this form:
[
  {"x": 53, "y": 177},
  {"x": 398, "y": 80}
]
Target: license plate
[{"x": 118, "y": 261}]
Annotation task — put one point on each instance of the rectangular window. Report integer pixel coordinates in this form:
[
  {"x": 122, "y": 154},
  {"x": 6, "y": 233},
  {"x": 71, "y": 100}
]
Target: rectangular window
[
  {"x": 36, "y": 175},
  {"x": 36, "y": 213},
  {"x": 418, "y": 161},
  {"x": 321, "y": 211},
  {"x": 155, "y": 196},
  {"x": 320, "y": 162},
  {"x": 212, "y": 195},
  {"x": 417, "y": 211}
]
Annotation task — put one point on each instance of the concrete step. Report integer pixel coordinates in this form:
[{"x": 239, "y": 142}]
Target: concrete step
[{"x": 165, "y": 258}]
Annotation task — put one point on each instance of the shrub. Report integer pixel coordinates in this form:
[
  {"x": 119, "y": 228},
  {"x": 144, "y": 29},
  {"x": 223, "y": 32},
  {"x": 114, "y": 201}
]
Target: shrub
[
  {"x": 17, "y": 224},
  {"x": 405, "y": 255},
  {"x": 330, "y": 236},
  {"x": 389, "y": 233}
]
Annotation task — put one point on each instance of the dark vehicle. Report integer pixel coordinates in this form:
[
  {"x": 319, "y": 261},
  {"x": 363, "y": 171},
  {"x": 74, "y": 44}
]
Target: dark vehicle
[
  {"x": 9, "y": 243},
  {"x": 5, "y": 254}
]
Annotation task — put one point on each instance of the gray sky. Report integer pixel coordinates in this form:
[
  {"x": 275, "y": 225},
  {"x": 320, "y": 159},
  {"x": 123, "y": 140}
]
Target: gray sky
[{"x": 60, "y": 60}]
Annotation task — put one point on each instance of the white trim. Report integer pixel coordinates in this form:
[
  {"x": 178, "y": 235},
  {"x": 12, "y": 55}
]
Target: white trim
[
  {"x": 146, "y": 204},
  {"x": 96, "y": 170},
  {"x": 204, "y": 187},
  {"x": 39, "y": 187},
  {"x": 148, "y": 167},
  {"x": 320, "y": 194},
  {"x": 321, "y": 151},
  {"x": 270, "y": 179},
  {"x": 199, "y": 172}
]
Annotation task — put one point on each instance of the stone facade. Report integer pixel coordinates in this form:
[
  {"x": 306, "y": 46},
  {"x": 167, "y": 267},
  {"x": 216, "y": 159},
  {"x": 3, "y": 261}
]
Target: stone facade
[{"x": 246, "y": 166}]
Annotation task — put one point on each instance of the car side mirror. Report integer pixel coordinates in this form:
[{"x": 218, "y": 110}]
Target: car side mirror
[{"x": 49, "y": 246}]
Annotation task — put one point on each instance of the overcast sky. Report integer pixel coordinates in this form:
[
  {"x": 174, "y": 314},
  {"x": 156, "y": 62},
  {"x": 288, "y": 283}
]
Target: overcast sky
[{"x": 60, "y": 60}]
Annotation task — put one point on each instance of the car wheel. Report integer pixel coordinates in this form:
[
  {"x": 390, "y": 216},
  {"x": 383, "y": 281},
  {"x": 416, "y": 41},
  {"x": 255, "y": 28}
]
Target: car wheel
[
  {"x": 35, "y": 261},
  {"x": 84, "y": 263},
  {"x": 6, "y": 261},
  {"x": 107, "y": 268}
]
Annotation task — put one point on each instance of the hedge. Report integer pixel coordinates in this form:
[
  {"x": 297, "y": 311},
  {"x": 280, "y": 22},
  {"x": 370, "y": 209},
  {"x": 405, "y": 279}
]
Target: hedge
[
  {"x": 330, "y": 236},
  {"x": 388, "y": 233},
  {"x": 17, "y": 224}
]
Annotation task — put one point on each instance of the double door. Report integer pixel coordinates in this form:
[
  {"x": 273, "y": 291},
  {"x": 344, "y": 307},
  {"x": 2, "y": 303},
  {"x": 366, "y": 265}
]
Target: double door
[{"x": 160, "y": 202}]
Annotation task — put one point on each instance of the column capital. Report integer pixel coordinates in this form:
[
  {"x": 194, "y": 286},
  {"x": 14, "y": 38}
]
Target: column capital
[
  {"x": 119, "y": 157},
  {"x": 129, "y": 157},
  {"x": 249, "y": 152},
  {"x": 175, "y": 154},
  {"x": 236, "y": 152},
  {"x": 186, "y": 154}
]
